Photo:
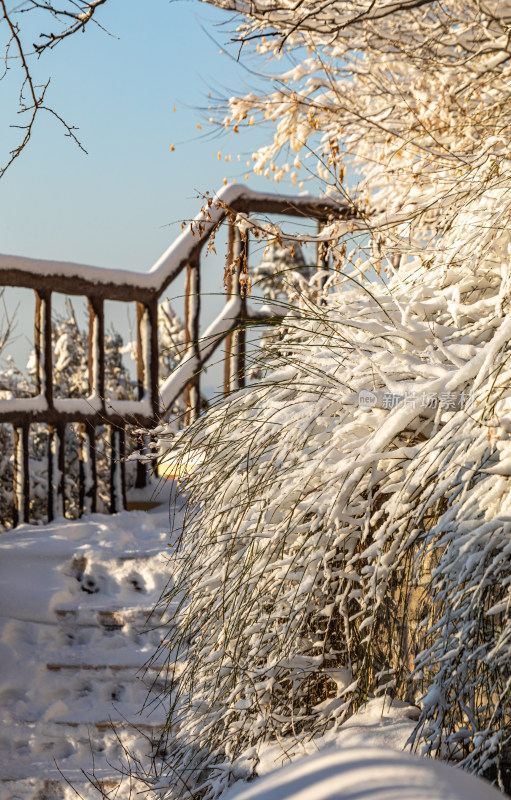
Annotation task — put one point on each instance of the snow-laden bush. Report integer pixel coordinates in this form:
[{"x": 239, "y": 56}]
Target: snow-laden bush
[
  {"x": 347, "y": 514},
  {"x": 346, "y": 535}
]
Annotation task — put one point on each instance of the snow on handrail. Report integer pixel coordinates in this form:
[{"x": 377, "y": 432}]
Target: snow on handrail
[
  {"x": 178, "y": 254},
  {"x": 191, "y": 363},
  {"x": 226, "y": 321}
]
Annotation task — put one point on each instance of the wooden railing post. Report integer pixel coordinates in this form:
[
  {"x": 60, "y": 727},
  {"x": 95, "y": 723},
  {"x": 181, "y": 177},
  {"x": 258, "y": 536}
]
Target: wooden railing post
[
  {"x": 87, "y": 431},
  {"x": 21, "y": 481},
  {"x": 43, "y": 345},
  {"x": 96, "y": 365},
  {"x": 147, "y": 369},
  {"x": 117, "y": 442},
  {"x": 56, "y": 471},
  {"x": 87, "y": 467},
  {"x": 147, "y": 352},
  {"x": 97, "y": 348},
  {"x": 192, "y": 334},
  {"x": 44, "y": 386},
  {"x": 322, "y": 262},
  {"x": 234, "y": 364}
]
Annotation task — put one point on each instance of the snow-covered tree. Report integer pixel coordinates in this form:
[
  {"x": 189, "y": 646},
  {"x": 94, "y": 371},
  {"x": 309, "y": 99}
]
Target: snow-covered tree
[
  {"x": 171, "y": 338},
  {"x": 70, "y": 375},
  {"x": 281, "y": 273},
  {"x": 347, "y": 528}
]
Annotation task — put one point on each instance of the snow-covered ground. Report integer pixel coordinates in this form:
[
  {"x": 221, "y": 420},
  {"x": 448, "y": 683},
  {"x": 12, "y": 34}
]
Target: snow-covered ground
[{"x": 75, "y": 634}]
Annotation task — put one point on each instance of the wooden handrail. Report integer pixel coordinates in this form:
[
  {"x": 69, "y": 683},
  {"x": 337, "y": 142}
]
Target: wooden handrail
[
  {"x": 154, "y": 398},
  {"x": 116, "y": 284}
]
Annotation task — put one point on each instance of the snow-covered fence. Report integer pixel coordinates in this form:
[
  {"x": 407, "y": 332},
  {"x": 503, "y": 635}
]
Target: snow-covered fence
[{"x": 154, "y": 398}]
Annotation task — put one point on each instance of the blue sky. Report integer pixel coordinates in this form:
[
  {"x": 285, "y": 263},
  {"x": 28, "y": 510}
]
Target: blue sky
[
  {"x": 122, "y": 204},
  {"x": 114, "y": 206}
]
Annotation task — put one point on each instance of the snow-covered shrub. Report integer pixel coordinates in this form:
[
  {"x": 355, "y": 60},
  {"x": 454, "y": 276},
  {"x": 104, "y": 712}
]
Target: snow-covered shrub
[{"x": 344, "y": 516}]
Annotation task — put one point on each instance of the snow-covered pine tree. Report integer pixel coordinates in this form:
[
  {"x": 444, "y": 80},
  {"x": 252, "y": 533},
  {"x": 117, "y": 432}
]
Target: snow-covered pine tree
[
  {"x": 282, "y": 273},
  {"x": 171, "y": 338},
  {"x": 70, "y": 371},
  {"x": 278, "y": 279}
]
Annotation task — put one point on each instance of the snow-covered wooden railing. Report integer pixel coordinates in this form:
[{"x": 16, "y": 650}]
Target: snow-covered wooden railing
[{"x": 145, "y": 289}]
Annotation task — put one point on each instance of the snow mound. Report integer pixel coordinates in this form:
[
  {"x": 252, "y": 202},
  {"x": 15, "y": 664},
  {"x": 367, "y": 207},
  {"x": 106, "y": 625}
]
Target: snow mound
[{"x": 356, "y": 773}]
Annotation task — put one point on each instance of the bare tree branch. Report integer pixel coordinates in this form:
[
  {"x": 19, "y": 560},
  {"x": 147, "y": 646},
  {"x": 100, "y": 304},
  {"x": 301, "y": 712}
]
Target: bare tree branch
[
  {"x": 79, "y": 19},
  {"x": 31, "y": 94},
  {"x": 37, "y": 99}
]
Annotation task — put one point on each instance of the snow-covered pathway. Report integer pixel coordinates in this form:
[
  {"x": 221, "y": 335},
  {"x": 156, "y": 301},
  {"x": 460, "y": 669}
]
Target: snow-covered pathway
[{"x": 75, "y": 598}]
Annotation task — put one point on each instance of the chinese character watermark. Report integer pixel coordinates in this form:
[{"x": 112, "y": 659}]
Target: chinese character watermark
[
  {"x": 390, "y": 400},
  {"x": 444, "y": 400}
]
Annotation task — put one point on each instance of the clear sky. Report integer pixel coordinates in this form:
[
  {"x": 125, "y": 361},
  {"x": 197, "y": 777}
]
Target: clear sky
[
  {"x": 113, "y": 206},
  {"x": 122, "y": 204}
]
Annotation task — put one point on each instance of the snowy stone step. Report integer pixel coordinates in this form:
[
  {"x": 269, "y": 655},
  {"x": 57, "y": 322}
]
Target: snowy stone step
[
  {"x": 126, "y": 688},
  {"x": 105, "y": 725},
  {"x": 133, "y": 668},
  {"x": 108, "y": 707},
  {"x": 112, "y": 617},
  {"x": 54, "y": 789},
  {"x": 47, "y": 750},
  {"x": 79, "y": 562},
  {"x": 142, "y": 505},
  {"x": 77, "y": 635},
  {"x": 115, "y": 577}
]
